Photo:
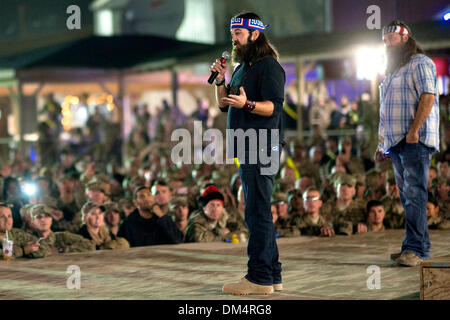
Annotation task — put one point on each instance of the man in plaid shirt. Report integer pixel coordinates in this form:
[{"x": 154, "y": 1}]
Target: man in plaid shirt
[{"x": 409, "y": 132}]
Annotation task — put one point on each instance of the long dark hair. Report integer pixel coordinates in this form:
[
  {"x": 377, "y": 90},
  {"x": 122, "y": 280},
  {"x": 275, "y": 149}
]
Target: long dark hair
[
  {"x": 412, "y": 48},
  {"x": 261, "y": 47}
]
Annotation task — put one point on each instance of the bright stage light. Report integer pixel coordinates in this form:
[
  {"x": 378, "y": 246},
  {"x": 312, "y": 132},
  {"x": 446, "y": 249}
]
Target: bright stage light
[
  {"x": 447, "y": 16},
  {"x": 29, "y": 189},
  {"x": 370, "y": 62}
]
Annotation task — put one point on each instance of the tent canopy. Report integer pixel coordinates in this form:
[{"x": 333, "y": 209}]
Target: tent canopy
[{"x": 95, "y": 52}]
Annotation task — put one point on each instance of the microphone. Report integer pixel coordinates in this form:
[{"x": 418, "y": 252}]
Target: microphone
[{"x": 213, "y": 76}]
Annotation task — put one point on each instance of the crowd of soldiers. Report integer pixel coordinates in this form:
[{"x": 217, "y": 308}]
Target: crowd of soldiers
[{"x": 323, "y": 190}]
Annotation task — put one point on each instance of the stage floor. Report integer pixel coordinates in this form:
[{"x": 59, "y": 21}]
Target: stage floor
[{"x": 313, "y": 268}]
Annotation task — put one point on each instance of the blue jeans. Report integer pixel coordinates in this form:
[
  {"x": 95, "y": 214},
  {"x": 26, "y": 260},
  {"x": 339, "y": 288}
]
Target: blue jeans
[
  {"x": 411, "y": 168},
  {"x": 263, "y": 265}
]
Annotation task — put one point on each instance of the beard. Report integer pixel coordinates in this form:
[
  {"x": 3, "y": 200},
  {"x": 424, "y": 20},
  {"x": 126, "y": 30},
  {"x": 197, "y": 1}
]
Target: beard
[
  {"x": 243, "y": 53},
  {"x": 395, "y": 57}
]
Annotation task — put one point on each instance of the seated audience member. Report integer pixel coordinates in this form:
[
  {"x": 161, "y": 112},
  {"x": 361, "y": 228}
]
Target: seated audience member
[
  {"x": 179, "y": 211},
  {"x": 71, "y": 219},
  {"x": 24, "y": 244},
  {"x": 435, "y": 221},
  {"x": 395, "y": 214},
  {"x": 113, "y": 217},
  {"x": 210, "y": 223},
  {"x": 284, "y": 225},
  {"x": 295, "y": 201},
  {"x": 304, "y": 182},
  {"x": 25, "y": 215},
  {"x": 236, "y": 212},
  {"x": 95, "y": 230},
  {"x": 55, "y": 242},
  {"x": 441, "y": 192},
  {"x": 360, "y": 187},
  {"x": 312, "y": 223},
  {"x": 95, "y": 192},
  {"x": 273, "y": 209},
  {"x": 375, "y": 216},
  {"x": 241, "y": 204},
  {"x": 127, "y": 206},
  {"x": 351, "y": 163},
  {"x": 147, "y": 225},
  {"x": 346, "y": 214},
  {"x": 162, "y": 193}
]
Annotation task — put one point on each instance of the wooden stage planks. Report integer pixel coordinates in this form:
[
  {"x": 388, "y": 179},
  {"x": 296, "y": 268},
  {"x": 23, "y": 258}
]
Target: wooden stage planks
[{"x": 313, "y": 268}]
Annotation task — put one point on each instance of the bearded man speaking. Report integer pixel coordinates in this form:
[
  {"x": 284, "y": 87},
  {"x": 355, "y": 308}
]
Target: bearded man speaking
[
  {"x": 409, "y": 133},
  {"x": 254, "y": 100}
]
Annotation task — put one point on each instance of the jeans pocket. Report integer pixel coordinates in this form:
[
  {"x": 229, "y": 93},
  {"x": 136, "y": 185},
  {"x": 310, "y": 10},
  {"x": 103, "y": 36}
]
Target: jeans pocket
[{"x": 411, "y": 147}]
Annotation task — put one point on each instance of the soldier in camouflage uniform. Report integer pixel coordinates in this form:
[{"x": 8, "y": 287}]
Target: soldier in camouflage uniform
[
  {"x": 295, "y": 200},
  {"x": 352, "y": 164},
  {"x": 360, "y": 186},
  {"x": 435, "y": 221},
  {"x": 55, "y": 242},
  {"x": 25, "y": 215},
  {"x": 68, "y": 205},
  {"x": 311, "y": 223},
  {"x": 375, "y": 216},
  {"x": 210, "y": 223},
  {"x": 95, "y": 230},
  {"x": 346, "y": 215},
  {"x": 113, "y": 216},
  {"x": 395, "y": 214},
  {"x": 179, "y": 211},
  {"x": 94, "y": 192},
  {"x": 24, "y": 244},
  {"x": 441, "y": 191},
  {"x": 284, "y": 225}
]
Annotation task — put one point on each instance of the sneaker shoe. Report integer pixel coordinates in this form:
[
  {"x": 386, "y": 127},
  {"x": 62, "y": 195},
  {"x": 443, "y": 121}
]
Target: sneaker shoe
[
  {"x": 408, "y": 259},
  {"x": 278, "y": 287},
  {"x": 245, "y": 287}
]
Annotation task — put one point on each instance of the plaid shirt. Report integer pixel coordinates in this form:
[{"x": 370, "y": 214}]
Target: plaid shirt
[{"x": 400, "y": 93}]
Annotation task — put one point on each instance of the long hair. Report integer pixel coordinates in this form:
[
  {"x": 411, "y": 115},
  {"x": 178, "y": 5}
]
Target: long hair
[
  {"x": 261, "y": 47},
  {"x": 411, "y": 48}
]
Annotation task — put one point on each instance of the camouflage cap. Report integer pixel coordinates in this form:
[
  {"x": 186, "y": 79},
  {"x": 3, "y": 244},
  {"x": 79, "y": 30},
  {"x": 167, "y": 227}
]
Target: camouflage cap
[
  {"x": 88, "y": 206},
  {"x": 178, "y": 201},
  {"x": 346, "y": 179},
  {"x": 65, "y": 177},
  {"x": 294, "y": 193},
  {"x": 279, "y": 197},
  {"x": 38, "y": 209},
  {"x": 440, "y": 181},
  {"x": 112, "y": 206},
  {"x": 103, "y": 178},
  {"x": 372, "y": 177},
  {"x": 360, "y": 178},
  {"x": 95, "y": 184},
  {"x": 50, "y": 202},
  {"x": 335, "y": 176}
]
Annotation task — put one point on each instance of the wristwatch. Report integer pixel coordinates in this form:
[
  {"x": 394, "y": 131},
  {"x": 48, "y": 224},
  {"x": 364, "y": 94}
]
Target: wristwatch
[{"x": 219, "y": 83}]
